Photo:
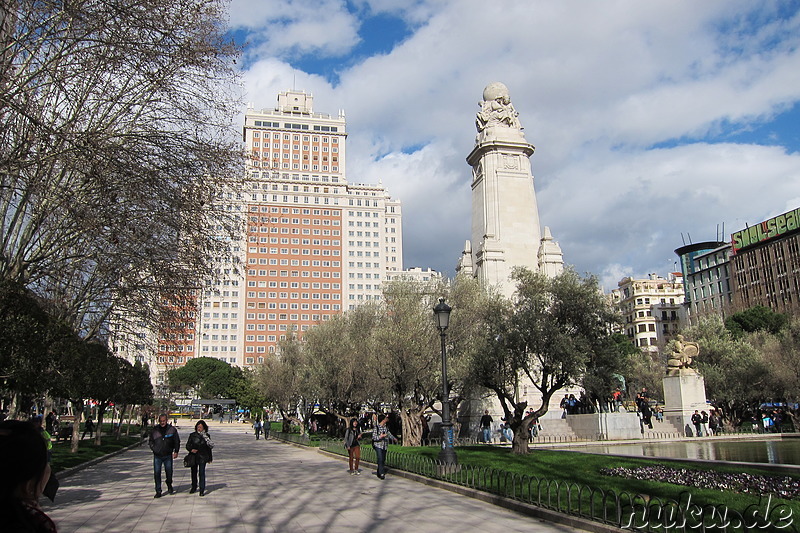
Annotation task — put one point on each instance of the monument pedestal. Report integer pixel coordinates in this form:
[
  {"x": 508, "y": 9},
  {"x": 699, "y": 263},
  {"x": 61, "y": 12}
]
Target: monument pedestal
[{"x": 684, "y": 392}]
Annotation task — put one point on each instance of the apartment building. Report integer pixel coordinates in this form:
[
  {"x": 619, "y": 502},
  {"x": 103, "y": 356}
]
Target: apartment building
[
  {"x": 312, "y": 245},
  {"x": 652, "y": 309}
]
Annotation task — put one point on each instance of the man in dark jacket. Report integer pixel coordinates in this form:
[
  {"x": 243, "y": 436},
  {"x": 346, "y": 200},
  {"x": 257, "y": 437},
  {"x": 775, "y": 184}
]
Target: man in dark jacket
[
  {"x": 165, "y": 443},
  {"x": 697, "y": 420}
]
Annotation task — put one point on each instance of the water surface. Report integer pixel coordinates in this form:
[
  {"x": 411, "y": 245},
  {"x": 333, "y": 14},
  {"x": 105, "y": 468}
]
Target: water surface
[{"x": 777, "y": 451}]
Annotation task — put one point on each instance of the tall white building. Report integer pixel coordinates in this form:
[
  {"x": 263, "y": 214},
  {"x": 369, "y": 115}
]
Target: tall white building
[
  {"x": 505, "y": 216},
  {"x": 311, "y": 243}
]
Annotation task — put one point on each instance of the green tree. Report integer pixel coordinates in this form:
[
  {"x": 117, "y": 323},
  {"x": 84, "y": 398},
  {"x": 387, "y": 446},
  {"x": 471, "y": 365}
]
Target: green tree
[
  {"x": 209, "y": 377},
  {"x": 244, "y": 391},
  {"x": 25, "y": 334},
  {"x": 135, "y": 388},
  {"x": 758, "y": 318},
  {"x": 106, "y": 391},
  {"x": 407, "y": 358},
  {"x": 550, "y": 335},
  {"x": 614, "y": 358},
  {"x": 781, "y": 357},
  {"x": 338, "y": 353},
  {"x": 735, "y": 374},
  {"x": 282, "y": 380},
  {"x": 81, "y": 373},
  {"x": 471, "y": 302}
]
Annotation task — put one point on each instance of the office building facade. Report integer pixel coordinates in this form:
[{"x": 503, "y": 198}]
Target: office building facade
[{"x": 310, "y": 244}]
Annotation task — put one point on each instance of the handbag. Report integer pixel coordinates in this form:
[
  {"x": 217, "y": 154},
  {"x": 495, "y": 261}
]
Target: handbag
[{"x": 190, "y": 460}]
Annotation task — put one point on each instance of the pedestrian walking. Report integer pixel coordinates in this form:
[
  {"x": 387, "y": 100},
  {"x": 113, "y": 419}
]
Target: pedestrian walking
[
  {"x": 199, "y": 444},
  {"x": 486, "y": 427},
  {"x": 257, "y": 428},
  {"x": 48, "y": 439},
  {"x": 714, "y": 423},
  {"x": 380, "y": 442},
  {"x": 50, "y": 422},
  {"x": 645, "y": 414},
  {"x": 26, "y": 472},
  {"x": 165, "y": 443},
  {"x": 697, "y": 420},
  {"x": 88, "y": 428},
  {"x": 351, "y": 437},
  {"x": 704, "y": 423}
]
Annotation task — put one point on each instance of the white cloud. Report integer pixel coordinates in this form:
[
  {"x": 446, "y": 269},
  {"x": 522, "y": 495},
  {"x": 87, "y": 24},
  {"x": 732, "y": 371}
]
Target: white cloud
[
  {"x": 596, "y": 84},
  {"x": 295, "y": 27}
]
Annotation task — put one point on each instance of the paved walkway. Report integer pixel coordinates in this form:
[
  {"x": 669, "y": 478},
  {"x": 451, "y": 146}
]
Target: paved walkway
[{"x": 256, "y": 486}]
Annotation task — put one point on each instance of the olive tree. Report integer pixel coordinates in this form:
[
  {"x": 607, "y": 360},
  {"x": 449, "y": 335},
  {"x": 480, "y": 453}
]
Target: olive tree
[
  {"x": 338, "y": 354},
  {"x": 407, "y": 354},
  {"x": 549, "y": 334}
]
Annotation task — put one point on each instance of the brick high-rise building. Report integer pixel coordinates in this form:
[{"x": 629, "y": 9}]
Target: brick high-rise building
[{"x": 311, "y": 245}]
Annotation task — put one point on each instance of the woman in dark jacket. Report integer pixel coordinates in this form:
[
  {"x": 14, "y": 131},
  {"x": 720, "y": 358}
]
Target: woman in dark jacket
[
  {"x": 199, "y": 444},
  {"x": 351, "y": 438}
]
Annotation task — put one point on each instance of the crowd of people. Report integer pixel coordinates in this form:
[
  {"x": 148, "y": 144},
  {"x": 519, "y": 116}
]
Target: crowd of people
[{"x": 25, "y": 480}]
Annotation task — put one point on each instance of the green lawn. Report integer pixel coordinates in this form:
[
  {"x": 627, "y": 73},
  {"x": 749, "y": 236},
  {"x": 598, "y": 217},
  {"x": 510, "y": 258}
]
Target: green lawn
[{"x": 584, "y": 469}]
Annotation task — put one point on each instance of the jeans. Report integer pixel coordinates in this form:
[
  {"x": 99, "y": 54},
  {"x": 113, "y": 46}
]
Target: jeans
[
  {"x": 202, "y": 468},
  {"x": 487, "y": 435},
  {"x": 380, "y": 453},
  {"x": 167, "y": 462}
]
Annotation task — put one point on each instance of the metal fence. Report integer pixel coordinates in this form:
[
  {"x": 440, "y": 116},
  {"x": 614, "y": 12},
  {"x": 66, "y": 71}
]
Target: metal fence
[
  {"x": 294, "y": 438},
  {"x": 637, "y": 512}
]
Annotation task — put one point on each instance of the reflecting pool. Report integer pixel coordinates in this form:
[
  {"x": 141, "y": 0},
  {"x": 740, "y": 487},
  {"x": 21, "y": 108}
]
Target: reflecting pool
[{"x": 776, "y": 451}]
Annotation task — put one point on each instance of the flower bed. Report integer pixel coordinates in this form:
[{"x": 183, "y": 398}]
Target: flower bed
[{"x": 781, "y": 486}]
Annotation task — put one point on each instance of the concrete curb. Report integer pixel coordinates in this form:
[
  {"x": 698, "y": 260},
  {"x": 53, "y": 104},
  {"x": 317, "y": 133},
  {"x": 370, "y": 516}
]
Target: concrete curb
[
  {"x": 77, "y": 468},
  {"x": 527, "y": 509}
]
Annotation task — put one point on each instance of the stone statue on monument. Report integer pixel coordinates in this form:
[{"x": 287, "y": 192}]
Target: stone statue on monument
[
  {"x": 496, "y": 108},
  {"x": 680, "y": 360}
]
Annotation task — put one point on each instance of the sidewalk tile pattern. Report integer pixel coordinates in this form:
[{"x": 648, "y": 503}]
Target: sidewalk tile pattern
[{"x": 258, "y": 486}]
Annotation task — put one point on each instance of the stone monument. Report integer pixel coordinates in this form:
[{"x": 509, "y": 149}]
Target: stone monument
[
  {"x": 505, "y": 217},
  {"x": 684, "y": 388}
]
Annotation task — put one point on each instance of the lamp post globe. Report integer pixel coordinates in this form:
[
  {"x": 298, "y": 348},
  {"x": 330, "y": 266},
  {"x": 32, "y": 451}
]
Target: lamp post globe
[{"x": 447, "y": 455}]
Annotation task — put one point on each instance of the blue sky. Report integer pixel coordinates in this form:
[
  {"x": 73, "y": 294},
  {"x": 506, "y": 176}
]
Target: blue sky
[{"x": 650, "y": 119}]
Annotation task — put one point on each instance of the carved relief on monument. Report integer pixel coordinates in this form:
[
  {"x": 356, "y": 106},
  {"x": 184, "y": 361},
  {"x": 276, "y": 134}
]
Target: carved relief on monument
[
  {"x": 511, "y": 162},
  {"x": 477, "y": 172},
  {"x": 496, "y": 108}
]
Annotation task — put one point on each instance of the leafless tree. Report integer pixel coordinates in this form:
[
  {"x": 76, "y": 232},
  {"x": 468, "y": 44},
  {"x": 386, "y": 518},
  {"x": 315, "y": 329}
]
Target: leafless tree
[{"x": 117, "y": 139}]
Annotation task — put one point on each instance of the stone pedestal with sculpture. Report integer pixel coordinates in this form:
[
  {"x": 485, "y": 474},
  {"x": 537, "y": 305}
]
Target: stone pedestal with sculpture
[{"x": 684, "y": 388}]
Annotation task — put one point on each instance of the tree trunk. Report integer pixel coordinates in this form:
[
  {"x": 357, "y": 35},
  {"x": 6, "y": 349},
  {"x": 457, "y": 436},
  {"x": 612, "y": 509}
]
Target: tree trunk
[
  {"x": 130, "y": 419},
  {"x": 412, "y": 426},
  {"x": 77, "y": 409},
  {"x": 519, "y": 444},
  {"x": 101, "y": 411},
  {"x": 118, "y": 429},
  {"x": 13, "y": 409}
]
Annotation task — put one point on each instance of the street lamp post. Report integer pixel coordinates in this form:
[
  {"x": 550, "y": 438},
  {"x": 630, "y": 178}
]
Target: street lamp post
[{"x": 447, "y": 455}]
